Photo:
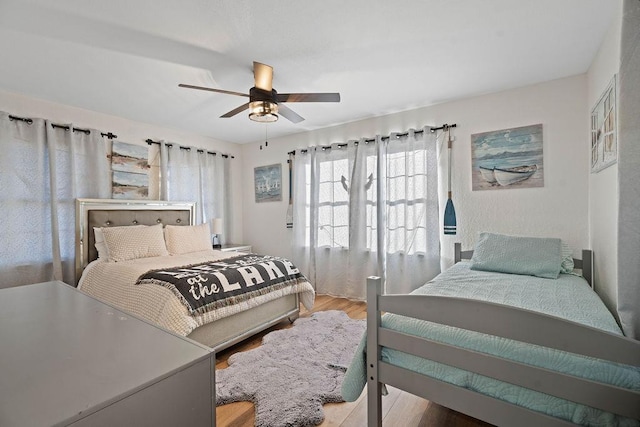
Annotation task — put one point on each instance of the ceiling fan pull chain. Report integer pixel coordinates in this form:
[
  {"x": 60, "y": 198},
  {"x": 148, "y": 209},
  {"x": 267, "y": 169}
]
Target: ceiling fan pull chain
[{"x": 266, "y": 137}]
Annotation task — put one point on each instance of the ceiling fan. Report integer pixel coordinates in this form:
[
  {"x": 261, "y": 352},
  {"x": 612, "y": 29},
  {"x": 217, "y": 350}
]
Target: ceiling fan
[{"x": 265, "y": 103}]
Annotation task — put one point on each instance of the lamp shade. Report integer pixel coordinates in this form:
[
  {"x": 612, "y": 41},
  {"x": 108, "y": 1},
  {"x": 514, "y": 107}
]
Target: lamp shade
[{"x": 216, "y": 226}]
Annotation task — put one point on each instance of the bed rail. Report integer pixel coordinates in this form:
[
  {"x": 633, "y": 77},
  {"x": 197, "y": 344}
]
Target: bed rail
[{"x": 494, "y": 319}]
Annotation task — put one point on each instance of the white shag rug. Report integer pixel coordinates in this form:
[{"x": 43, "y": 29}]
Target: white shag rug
[{"x": 295, "y": 371}]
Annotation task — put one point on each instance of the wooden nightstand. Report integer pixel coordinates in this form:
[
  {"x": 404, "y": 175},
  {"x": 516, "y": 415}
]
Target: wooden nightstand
[{"x": 235, "y": 247}]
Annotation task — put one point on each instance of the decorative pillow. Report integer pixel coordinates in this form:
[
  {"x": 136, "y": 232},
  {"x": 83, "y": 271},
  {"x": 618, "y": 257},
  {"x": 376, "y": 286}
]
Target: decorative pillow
[
  {"x": 533, "y": 256},
  {"x": 125, "y": 243},
  {"x": 101, "y": 246},
  {"x": 183, "y": 239},
  {"x": 567, "y": 259},
  {"x": 99, "y": 243}
]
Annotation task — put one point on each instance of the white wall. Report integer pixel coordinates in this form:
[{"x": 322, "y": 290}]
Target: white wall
[
  {"x": 603, "y": 186},
  {"x": 558, "y": 209},
  {"x": 128, "y": 131}
]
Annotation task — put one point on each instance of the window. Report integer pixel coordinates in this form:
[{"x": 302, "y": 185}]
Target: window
[
  {"x": 368, "y": 209},
  {"x": 405, "y": 206},
  {"x": 333, "y": 204}
]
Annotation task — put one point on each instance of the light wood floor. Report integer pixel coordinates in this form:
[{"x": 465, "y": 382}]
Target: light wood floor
[{"x": 400, "y": 408}]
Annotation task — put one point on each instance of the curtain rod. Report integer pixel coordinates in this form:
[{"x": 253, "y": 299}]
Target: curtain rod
[
  {"x": 151, "y": 141},
  {"x": 444, "y": 127},
  {"x": 65, "y": 127}
]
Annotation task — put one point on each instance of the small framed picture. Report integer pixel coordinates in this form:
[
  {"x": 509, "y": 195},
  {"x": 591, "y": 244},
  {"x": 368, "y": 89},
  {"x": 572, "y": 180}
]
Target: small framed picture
[
  {"x": 604, "y": 130},
  {"x": 268, "y": 183}
]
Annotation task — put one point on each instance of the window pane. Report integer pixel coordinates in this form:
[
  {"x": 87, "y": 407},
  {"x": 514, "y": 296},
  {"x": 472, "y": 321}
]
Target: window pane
[
  {"x": 406, "y": 198},
  {"x": 333, "y": 210},
  {"x": 341, "y": 215}
]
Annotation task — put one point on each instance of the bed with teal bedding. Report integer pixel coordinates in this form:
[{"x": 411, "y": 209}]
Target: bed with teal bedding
[{"x": 537, "y": 360}]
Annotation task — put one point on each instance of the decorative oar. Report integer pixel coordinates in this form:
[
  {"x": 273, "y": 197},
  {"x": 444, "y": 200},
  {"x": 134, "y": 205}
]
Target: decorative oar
[
  {"x": 449, "y": 210},
  {"x": 290, "y": 207}
]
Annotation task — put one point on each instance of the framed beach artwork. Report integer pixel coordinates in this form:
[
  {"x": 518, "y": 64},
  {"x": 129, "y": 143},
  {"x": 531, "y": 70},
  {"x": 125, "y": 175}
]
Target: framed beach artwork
[
  {"x": 507, "y": 158},
  {"x": 129, "y": 157},
  {"x": 604, "y": 139},
  {"x": 268, "y": 183},
  {"x": 127, "y": 185},
  {"x": 129, "y": 165}
]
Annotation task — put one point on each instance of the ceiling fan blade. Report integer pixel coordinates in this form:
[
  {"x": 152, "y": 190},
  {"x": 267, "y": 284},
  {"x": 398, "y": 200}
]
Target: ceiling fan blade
[
  {"x": 228, "y": 92},
  {"x": 263, "y": 75},
  {"x": 236, "y": 111},
  {"x": 289, "y": 114},
  {"x": 308, "y": 97}
]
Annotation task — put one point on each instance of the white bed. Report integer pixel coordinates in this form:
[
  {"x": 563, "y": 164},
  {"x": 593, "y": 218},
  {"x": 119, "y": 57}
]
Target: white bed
[
  {"x": 114, "y": 283},
  {"x": 525, "y": 371}
]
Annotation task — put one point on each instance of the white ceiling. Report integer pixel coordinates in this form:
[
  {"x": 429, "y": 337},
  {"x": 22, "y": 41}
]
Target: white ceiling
[{"x": 126, "y": 57}]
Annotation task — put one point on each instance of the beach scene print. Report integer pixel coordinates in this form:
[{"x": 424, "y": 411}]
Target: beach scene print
[
  {"x": 129, "y": 166},
  {"x": 268, "y": 183},
  {"x": 126, "y": 185},
  {"x": 507, "y": 158},
  {"x": 129, "y": 157}
]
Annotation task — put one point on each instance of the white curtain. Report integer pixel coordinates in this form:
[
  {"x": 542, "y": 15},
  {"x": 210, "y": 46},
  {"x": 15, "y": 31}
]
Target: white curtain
[
  {"x": 410, "y": 223},
  {"x": 42, "y": 171},
  {"x": 192, "y": 175},
  {"x": 367, "y": 208}
]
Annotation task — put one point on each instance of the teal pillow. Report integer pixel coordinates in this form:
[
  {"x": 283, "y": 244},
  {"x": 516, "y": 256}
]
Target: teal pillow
[{"x": 532, "y": 256}]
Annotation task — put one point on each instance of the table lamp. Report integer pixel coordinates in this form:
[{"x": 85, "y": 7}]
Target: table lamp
[{"x": 216, "y": 230}]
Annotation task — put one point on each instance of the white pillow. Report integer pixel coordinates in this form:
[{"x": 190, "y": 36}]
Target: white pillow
[
  {"x": 183, "y": 239},
  {"x": 101, "y": 246},
  {"x": 99, "y": 243},
  {"x": 125, "y": 243}
]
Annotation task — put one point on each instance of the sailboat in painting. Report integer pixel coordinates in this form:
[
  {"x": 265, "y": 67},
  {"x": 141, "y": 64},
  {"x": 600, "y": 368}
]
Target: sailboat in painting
[
  {"x": 508, "y": 158},
  {"x": 512, "y": 175},
  {"x": 488, "y": 175},
  {"x": 507, "y": 176}
]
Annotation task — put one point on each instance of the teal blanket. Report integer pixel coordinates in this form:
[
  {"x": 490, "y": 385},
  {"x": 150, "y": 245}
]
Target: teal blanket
[{"x": 569, "y": 297}]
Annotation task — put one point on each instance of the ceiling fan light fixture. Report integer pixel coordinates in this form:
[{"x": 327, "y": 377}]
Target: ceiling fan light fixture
[{"x": 263, "y": 111}]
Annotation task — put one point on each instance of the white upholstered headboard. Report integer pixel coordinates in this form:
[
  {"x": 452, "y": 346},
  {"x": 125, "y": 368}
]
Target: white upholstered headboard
[{"x": 116, "y": 212}]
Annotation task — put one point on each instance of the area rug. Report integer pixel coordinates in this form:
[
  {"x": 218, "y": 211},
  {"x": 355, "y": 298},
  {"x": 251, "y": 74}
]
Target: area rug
[{"x": 295, "y": 370}]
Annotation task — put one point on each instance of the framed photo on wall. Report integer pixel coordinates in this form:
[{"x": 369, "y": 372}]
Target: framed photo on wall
[
  {"x": 508, "y": 158},
  {"x": 129, "y": 166},
  {"x": 604, "y": 129},
  {"x": 268, "y": 183}
]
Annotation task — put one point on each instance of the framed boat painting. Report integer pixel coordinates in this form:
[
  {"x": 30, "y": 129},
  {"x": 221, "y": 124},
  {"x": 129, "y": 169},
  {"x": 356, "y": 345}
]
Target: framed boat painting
[
  {"x": 507, "y": 158},
  {"x": 604, "y": 140}
]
